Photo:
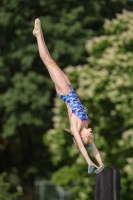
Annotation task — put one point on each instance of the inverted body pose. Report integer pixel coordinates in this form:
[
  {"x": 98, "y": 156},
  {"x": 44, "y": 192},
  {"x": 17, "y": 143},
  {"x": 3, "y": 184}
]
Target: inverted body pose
[{"x": 82, "y": 135}]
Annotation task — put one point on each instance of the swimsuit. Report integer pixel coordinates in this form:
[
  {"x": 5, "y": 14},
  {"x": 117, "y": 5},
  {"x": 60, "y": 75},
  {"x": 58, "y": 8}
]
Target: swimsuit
[{"x": 75, "y": 105}]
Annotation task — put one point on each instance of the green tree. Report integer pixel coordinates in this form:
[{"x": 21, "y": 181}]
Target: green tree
[
  {"x": 5, "y": 189},
  {"x": 24, "y": 100},
  {"x": 68, "y": 24},
  {"x": 105, "y": 88}
]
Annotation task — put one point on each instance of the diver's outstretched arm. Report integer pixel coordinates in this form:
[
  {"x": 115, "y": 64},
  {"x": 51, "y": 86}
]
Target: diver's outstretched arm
[
  {"x": 77, "y": 139},
  {"x": 96, "y": 153},
  {"x": 98, "y": 158}
]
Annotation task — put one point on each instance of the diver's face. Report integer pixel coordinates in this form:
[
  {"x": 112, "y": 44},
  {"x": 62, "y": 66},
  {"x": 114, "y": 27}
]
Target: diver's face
[
  {"x": 87, "y": 132},
  {"x": 87, "y": 135}
]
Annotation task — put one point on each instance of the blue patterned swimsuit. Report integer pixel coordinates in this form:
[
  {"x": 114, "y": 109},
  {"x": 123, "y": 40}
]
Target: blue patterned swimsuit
[{"x": 75, "y": 105}]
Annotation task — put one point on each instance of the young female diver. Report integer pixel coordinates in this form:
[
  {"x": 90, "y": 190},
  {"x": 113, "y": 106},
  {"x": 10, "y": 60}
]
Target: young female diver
[{"x": 82, "y": 135}]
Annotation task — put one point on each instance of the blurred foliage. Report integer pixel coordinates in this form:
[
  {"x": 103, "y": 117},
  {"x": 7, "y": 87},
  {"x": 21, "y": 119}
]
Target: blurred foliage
[
  {"x": 26, "y": 92},
  {"x": 5, "y": 189},
  {"x": 68, "y": 24},
  {"x": 105, "y": 87}
]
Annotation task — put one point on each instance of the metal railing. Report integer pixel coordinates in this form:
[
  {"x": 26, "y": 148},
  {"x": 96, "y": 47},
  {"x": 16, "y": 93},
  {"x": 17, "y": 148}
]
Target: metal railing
[{"x": 47, "y": 190}]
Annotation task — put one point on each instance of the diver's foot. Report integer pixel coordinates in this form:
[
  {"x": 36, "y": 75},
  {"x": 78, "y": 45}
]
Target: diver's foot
[
  {"x": 37, "y": 27},
  {"x": 99, "y": 169}
]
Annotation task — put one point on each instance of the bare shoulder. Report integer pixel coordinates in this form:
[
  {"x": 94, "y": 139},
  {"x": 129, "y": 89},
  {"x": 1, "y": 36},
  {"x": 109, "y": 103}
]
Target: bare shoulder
[{"x": 76, "y": 124}]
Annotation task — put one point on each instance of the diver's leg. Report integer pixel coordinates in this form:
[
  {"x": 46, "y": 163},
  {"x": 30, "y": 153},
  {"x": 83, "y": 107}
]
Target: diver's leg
[{"x": 57, "y": 75}]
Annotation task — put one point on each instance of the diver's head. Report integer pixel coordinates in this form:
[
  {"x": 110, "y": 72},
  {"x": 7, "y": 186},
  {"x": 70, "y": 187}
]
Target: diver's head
[{"x": 87, "y": 136}]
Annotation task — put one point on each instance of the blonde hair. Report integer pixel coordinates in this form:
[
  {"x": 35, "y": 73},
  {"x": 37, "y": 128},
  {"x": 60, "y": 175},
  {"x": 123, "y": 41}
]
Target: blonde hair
[{"x": 86, "y": 141}]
